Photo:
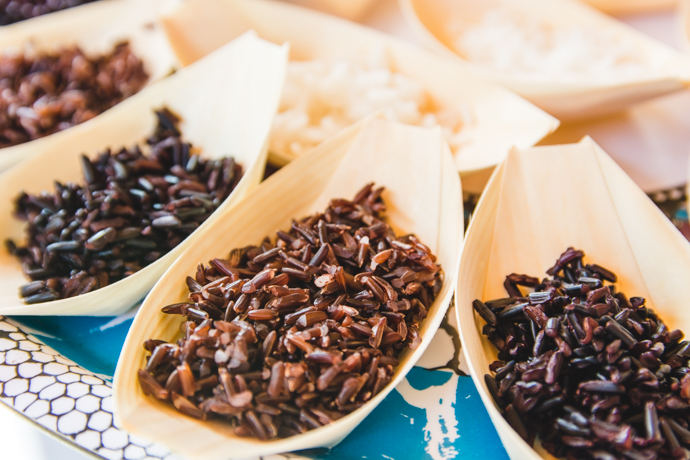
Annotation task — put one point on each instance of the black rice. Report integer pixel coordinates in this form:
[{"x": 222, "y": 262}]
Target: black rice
[
  {"x": 12, "y": 11},
  {"x": 594, "y": 374},
  {"x": 294, "y": 334},
  {"x": 42, "y": 93},
  {"x": 132, "y": 209}
]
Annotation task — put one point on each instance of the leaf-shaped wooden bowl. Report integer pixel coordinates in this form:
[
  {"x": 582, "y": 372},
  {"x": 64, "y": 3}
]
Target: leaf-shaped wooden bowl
[
  {"x": 437, "y": 23},
  {"x": 227, "y": 102},
  {"x": 500, "y": 119},
  {"x": 96, "y": 28},
  {"x": 632, "y": 6},
  {"x": 538, "y": 203},
  {"x": 422, "y": 197}
]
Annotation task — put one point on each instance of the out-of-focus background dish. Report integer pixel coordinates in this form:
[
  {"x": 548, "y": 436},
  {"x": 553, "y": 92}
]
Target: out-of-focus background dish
[
  {"x": 566, "y": 57},
  {"x": 340, "y": 72},
  {"x": 95, "y": 29}
]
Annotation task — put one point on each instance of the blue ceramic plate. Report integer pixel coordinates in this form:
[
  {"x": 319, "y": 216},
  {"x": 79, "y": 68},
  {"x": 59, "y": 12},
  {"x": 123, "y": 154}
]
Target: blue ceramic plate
[{"x": 57, "y": 371}]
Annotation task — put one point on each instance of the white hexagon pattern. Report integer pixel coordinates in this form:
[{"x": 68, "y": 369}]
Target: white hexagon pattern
[
  {"x": 88, "y": 404},
  {"x": 61, "y": 405},
  {"x": 65, "y": 398},
  {"x": 88, "y": 439}
]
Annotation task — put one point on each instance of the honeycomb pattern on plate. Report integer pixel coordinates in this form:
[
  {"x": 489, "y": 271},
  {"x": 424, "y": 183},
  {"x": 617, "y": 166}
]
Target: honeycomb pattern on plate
[{"x": 65, "y": 398}]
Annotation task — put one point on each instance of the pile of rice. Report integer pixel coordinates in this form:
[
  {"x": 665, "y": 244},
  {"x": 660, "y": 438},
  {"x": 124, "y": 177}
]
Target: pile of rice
[
  {"x": 509, "y": 41},
  {"x": 321, "y": 98}
]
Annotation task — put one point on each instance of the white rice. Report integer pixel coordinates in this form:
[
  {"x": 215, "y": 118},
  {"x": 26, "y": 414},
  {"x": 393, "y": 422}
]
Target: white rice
[
  {"x": 321, "y": 98},
  {"x": 508, "y": 41}
]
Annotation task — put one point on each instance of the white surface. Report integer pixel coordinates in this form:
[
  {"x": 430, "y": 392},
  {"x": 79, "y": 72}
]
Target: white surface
[
  {"x": 20, "y": 440},
  {"x": 651, "y": 143}
]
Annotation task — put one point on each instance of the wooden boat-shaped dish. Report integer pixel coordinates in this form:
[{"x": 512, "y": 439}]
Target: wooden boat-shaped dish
[
  {"x": 96, "y": 28},
  {"x": 538, "y": 203},
  {"x": 226, "y": 101},
  {"x": 438, "y": 21},
  {"x": 422, "y": 197}
]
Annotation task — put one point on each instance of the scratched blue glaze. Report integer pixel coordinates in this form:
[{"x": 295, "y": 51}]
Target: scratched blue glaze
[
  {"x": 421, "y": 379},
  {"x": 394, "y": 430}
]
